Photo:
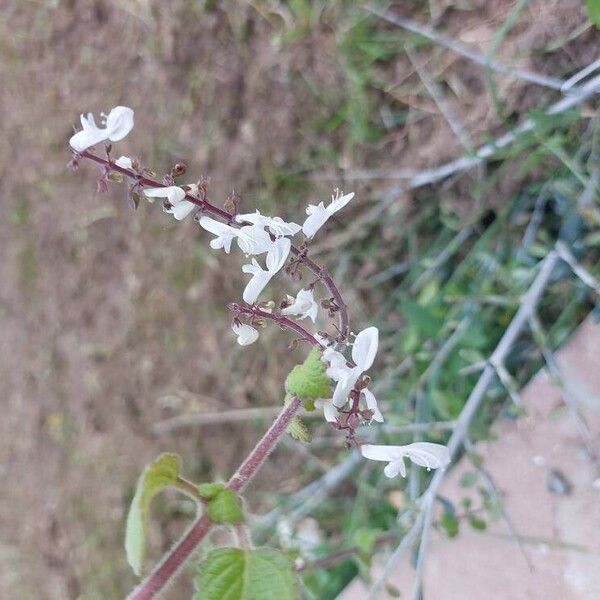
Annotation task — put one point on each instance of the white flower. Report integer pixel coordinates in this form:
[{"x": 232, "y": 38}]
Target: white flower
[
  {"x": 276, "y": 225},
  {"x": 250, "y": 238},
  {"x": 253, "y": 239},
  {"x": 172, "y": 193},
  {"x": 118, "y": 124},
  {"x": 124, "y": 162},
  {"x": 246, "y": 334},
  {"x": 225, "y": 233},
  {"x": 424, "y": 454},
  {"x": 180, "y": 208},
  {"x": 318, "y": 214},
  {"x": 303, "y": 305},
  {"x": 363, "y": 355},
  {"x": 276, "y": 258}
]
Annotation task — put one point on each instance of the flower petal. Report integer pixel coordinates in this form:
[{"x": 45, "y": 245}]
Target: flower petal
[
  {"x": 255, "y": 218},
  {"x": 338, "y": 202},
  {"x": 395, "y": 468},
  {"x": 182, "y": 209},
  {"x": 278, "y": 254},
  {"x": 119, "y": 123},
  {"x": 365, "y": 348},
  {"x": 317, "y": 217},
  {"x": 329, "y": 411},
  {"x": 429, "y": 455},
  {"x": 82, "y": 140},
  {"x": 253, "y": 239},
  {"x": 173, "y": 193},
  {"x": 383, "y": 453},
  {"x": 277, "y": 226},
  {"x": 345, "y": 384},
  {"x": 246, "y": 334},
  {"x": 89, "y": 123},
  {"x": 423, "y": 454},
  {"x": 371, "y": 403},
  {"x": 335, "y": 359},
  {"x": 124, "y": 162},
  {"x": 257, "y": 284},
  {"x": 303, "y": 306}
]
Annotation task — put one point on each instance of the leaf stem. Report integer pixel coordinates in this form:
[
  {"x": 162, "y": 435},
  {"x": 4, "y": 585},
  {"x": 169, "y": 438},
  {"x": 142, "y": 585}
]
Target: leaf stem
[{"x": 188, "y": 488}]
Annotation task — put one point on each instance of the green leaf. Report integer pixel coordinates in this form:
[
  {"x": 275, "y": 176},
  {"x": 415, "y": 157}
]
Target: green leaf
[
  {"x": 298, "y": 430},
  {"x": 449, "y": 524},
  {"x": 225, "y": 507},
  {"x": 421, "y": 318},
  {"x": 477, "y": 523},
  {"x": 392, "y": 590},
  {"x": 209, "y": 490},
  {"x": 235, "y": 574},
  {"x": 365, "y": 538},
  {"x": 308, "y": 381},
  {"x": 593, "y": 9},
  {"x": 157, "y": 476}
]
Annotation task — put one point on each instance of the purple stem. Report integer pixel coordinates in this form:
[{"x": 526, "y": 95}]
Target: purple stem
[
  {"x": 281, "y": 320},
  {"x": 316, "y": 269},
  {"x": 180, "y": 553}
]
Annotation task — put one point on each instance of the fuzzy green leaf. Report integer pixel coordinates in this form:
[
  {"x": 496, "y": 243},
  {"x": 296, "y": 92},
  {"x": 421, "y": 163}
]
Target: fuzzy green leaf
[
  {"x": 308, "y": 381},
  {"x": 299, "y": 431},
  {"x": 209, "y": 490},
  {"x": 225, "y": 507},
  {"x": 157, "y": 476},
  {"x": 235, "y": 574}
]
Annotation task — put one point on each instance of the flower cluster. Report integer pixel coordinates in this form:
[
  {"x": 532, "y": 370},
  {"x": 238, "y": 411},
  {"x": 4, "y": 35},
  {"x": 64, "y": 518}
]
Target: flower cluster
[{"x": 255, "y": 234}]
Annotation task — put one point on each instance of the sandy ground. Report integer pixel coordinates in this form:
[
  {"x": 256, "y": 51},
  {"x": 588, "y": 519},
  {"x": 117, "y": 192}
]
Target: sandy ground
[{"x": 550, "y": 490}]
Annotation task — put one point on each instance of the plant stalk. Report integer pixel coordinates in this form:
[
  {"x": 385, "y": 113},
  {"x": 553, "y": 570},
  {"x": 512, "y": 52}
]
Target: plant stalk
[{"x": 181, "y": 552}]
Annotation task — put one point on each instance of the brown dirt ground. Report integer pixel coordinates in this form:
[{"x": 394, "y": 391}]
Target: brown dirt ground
[{"x": 105, "y": 313}]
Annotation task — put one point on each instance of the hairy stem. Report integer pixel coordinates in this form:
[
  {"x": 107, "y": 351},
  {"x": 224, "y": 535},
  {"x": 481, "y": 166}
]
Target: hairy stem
[
  {"x": 228, "y": 217},
  {"x": 180, "y": 553}
]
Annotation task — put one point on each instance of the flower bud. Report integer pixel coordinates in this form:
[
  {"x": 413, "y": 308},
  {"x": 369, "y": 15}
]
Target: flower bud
[
  {"x": 367, "y": 414},
  {"x": 179, "y": 169},
  {"x": 232, "y": 203}
]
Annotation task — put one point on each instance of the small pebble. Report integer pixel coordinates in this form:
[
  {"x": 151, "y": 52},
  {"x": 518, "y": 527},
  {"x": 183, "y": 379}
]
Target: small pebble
[{"x": 557, "y": 483}]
